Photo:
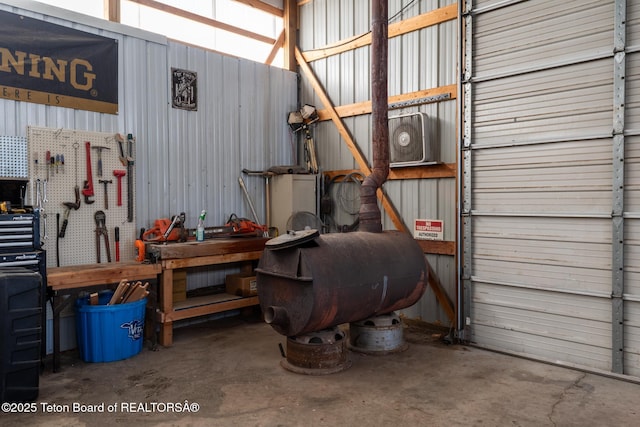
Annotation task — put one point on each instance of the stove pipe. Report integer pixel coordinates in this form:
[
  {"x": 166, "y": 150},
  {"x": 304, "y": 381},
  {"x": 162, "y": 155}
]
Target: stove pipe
[
  {"x": 310, "y": 282},
  {"x": 370, "y": 218}
]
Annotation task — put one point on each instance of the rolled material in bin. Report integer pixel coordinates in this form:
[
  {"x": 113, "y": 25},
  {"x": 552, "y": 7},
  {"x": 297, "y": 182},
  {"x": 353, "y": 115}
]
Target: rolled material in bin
[{"x": 107, "y": 333}]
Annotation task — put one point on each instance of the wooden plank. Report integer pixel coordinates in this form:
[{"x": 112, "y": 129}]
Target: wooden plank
[
  {"x": 93, "y": 298},
  {"x": 441, "y": 295},
  {"x": 391, "y": 210},
  {"x": 276, "y": 47},
  {"x": 112, "y": 10},
  {"x": 209, "y": 247},
  {"x": 120, "y": 290},
  {"x": 216, "y": 307},
  {"x": 165, "y": 335},
  {"x": 444, "y": 170},
  {"x": 290, "y": 28},
  {"x": 204, "y": 20},
  {"x": 346, "y": 136},
  {"x": 359, "y": 108},
  {"x": 265, "y": 7},
  {"x": 78, "y": 276},
  {"x": 204, "y": 300},
  {"x": 428, "y": 19},
  {"x": 415, "y": 23},
  {"x": 132, "y": 287},
  {"x": 437, "y": 247},
  {"x": 137, "y": 294},
  {"x": 211, "y": 260},
  {"x": 166, "y": 291},
  {"x": 328, "y": 105}
]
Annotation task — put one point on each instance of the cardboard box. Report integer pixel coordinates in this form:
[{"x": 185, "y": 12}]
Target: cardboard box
[
  {"x": 241, "y": 284},
  {"x": 179, "y": 285}
]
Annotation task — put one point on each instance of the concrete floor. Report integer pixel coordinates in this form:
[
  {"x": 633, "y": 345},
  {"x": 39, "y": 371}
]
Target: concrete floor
[{"x": 231, "y": 369}]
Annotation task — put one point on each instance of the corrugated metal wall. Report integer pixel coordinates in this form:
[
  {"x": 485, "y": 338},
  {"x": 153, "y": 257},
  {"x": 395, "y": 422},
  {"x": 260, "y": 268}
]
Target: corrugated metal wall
[
  {"x": 549, "y": 211},
  {"x": 240, "y": 123},
  {"x": 185, "y": 161},
  {"x": 422, "y": 59}
]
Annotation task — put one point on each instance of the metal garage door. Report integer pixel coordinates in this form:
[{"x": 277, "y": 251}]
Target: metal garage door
[{"x": 551, "y": 184}]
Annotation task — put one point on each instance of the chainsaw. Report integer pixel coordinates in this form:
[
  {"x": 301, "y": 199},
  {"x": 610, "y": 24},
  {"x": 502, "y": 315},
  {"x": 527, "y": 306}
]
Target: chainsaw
[
  {"x": 166, "y": 230},
  {"x": 234, "y": 227},
  {"x": 244, "y": 226}
]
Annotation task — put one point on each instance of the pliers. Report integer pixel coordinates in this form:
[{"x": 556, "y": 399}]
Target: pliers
[{"x": 101, "y": 230}]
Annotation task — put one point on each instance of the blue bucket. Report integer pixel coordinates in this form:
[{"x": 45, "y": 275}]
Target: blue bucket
[{"x": 107, "y": 333}]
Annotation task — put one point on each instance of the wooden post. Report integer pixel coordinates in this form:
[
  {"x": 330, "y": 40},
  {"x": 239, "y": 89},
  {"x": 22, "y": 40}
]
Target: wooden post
[
  {"x": 112, "y": 10},
  {"x": 166, "y": 300},
  {"x": 290, "y": 25}
]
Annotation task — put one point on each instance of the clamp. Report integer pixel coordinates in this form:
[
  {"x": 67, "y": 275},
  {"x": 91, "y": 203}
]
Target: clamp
[{"x": 101, "y": 230}]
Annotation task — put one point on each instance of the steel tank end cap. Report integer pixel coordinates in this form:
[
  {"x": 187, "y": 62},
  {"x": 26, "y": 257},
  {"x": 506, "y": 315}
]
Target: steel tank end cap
[{"x": 275, "y": 315}]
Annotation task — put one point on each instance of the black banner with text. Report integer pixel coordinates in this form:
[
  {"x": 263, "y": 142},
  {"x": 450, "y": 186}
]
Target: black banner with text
[{"x": 50, "y": 64}]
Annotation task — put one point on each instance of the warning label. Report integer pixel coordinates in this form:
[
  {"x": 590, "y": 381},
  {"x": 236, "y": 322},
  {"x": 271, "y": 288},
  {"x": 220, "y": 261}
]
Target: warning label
[{"x": 428, "y": 229}]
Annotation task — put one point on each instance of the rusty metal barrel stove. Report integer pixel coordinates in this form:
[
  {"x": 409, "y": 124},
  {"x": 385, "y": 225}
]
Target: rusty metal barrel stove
[{"x": 312, "y": 282}]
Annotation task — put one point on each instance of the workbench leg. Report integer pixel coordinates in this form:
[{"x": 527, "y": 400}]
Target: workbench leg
[
  {"x": 166, "y": 334},
  {"x": 59, "y": 303},
  {"x": 166, "y": 307}
]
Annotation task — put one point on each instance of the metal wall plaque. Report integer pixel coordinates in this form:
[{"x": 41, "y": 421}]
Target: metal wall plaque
[{"x": 184, "y": 89}]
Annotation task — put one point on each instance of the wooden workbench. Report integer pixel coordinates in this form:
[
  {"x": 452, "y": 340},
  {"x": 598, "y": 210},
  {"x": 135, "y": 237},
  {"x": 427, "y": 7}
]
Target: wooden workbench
[
  {"x": 196, "y": 254},
  {"x": 66, "y": 283}
]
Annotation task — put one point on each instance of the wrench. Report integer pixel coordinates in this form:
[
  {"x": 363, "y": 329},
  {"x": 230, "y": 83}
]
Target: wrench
[
  {"x": 87, "y": 191},
  {"x": 38, "y": 195},
  {"x": 41, "y": 197}
]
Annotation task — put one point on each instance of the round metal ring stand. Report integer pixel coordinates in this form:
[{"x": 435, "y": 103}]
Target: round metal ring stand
[
  {"x": 317, "y": 353},
  {"x": 377, "y": 335}
]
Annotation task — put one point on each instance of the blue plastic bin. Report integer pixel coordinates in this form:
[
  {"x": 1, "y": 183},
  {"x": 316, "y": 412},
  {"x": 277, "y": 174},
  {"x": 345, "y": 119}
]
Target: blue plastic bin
[{"x": 107, "y": 333}]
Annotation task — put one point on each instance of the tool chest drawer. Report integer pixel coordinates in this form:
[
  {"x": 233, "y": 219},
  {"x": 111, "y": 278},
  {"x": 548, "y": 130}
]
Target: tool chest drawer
[{"x": 19, "y": 233}]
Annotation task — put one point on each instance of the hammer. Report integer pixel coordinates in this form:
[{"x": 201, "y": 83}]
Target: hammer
[
  {"x": 106, "y": 195},
  {"x": 119, "y": 174},
  {"x": 99, "y": 149}
]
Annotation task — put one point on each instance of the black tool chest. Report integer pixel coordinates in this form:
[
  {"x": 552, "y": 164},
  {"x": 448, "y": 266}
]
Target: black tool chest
[
  {"x": 20, "y": 243},
  {"x": 23, "y": 286},
  {"x": 19, "y": 233}
]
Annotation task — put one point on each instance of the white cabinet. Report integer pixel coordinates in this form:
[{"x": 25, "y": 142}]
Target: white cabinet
[{"x": 291, "y": 193}]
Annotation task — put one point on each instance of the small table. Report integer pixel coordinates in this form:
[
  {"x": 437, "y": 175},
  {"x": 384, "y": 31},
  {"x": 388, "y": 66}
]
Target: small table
[
  {"x": 195, "y": 254},
  {"x": 71, "y": 280}
]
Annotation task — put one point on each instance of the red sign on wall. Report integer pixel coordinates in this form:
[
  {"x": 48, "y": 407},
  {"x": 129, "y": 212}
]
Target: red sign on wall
[{"x": 428, "y": 229}]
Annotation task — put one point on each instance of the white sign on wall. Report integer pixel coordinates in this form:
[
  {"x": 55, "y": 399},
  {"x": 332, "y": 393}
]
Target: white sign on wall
[{"x": 428, "y": 229}]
